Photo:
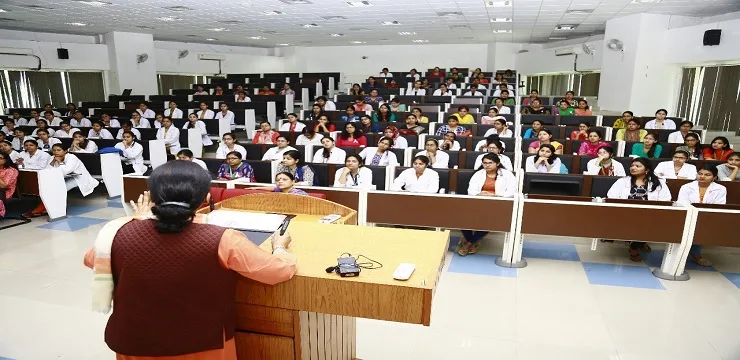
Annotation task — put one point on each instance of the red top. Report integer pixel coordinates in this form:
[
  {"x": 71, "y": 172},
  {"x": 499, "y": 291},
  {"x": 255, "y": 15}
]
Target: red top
[
  {"x": 262, "y": 92},
  {"x": 721, "y": 155},
  {"x": 361, "y": 141},
  {"x": 331, "y": 128},
  {"x": 575, "y": 136},
  {"x": 439, "y": 75},
  {"x": 260, "y": 137}
]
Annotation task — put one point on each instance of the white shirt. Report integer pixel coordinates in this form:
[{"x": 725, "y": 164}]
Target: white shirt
[
  {"x": 452, "y": 86},
  {"x": 200, "y": 162},
  {"x": 505, "y": 162},
  {"x": 62, "y": 134},
  {"x": 38, "y": 161},
  {"x": 74, "y": 168},
  {"x": 455, "y": 145},
  {"x": 205, "y": 114},
  {"x": 176, "y": 114},
  {"x": 336, "y": 156},
  {"x": 274, "y": 153},
  {"x": 441, "y": 157},
  {"x": 103, "y": 134},
  {"x": 416, "y": 77},
  {"x": 246, "y": 98},
  {"x": 84, "y": 122},
  {"x": 330, "y": 106},
  {"x": 56, "y": 113},
  {"x": 506, "y": 184},
  {"x": 418, "y": 92},
  {"x": 668, "y": 124},
  {"x": 136, "y": 132},
  {"x": 384, "y": 75},
  {"x": 47, "y": 146},
  {"x": 15, "y": 155},
  {"x": 22, "y": 122},
  {"x": 55, "y": 121},
  {"x": 299, "y": 126},
  {"x": 91, "y": 148},
  {"x": 428, "y": 182},
  {"x": 147, "y": 114},
  {"x": 399, "y": 143},
  {"x": 114, "y": 123},
  {"x": 143, "y": 123},
  {"x": 677, "y": 138},
  {"x": 621, "y": 190},
  {"x": 303, "y": 140},
  {"x": 388, "y": 157},
  {"x": 529, "y": 167},
  {"x": 17, "y": 143},
  {"x": 223, "y": 150},
  {"x": 201, "y": 93},
  {"x": 689, "y": 194},
  {"x": 439, "y": 92},
  {"x": 504, "y": 110},
  {"x": 229, "y": 116},
  {"x": 506, "y": 134},
  {"x": 664, "y": 170},
  {"x": 134, "y": 156},
  {"x": 363, "y": 180},
  {"x": 469, "y": 93},
  {"x": 6, "y": 131},
  {"x": 593, "y": 168},
  {"x": 201, "y": 126},
  {"x": 171, "y": 138}
]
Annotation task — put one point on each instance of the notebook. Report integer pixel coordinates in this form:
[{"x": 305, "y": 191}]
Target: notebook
[{"x": 241, "y": 220}]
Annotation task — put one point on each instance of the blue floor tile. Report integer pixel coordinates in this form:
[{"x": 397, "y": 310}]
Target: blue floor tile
[
  {"x": 734, "y": 278},
  {"x": 115, "y": 203},
  {"x": 453, "y": 242},
  {"x": 479, "y": 265},
  {"x": 655, "y": 259},
  {"x": 552, "y": 251},
  {"x": 621, "y": 275},
  {"x": 4, "y": 358},
  {"x": 72, "y": 224},
  {"x": 77, "y": 210}
]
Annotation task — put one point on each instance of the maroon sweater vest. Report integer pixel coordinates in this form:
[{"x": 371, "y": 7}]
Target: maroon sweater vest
[{"x": 172, "y": 296}]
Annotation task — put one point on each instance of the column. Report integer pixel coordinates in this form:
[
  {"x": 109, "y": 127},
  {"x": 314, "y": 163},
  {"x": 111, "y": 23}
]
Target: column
[{"x": 125, "y": 71}]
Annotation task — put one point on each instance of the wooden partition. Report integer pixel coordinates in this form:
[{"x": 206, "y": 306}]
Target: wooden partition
[{"x": 714, "y": 225}]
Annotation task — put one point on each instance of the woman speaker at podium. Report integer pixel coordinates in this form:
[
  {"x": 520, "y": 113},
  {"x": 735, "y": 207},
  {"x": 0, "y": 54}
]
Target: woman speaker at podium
[{"x": 172, "y": 277}]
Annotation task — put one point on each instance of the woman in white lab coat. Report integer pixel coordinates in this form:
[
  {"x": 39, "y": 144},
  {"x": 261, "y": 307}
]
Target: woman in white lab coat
[
  {"x": 399, "y": 142},
  {"x": 495, "y": 146},
  {"x": 500, "y": 128},
  {"x": 704, "y": 190},
  {"x": 438, "y": 159},
  {"x": 171, "y": 136},
  {"x": 641, "y": 184},
  {"x": 225, "y": 113},
  {"x": 132, "y": 154},
  {"x": 678, "y": 168},
  {"x": 229, "y": 144},
  {"x": 546, "y": 161},
  {"x": 276, "y": 152},
  {"x": 81, "y": 144},
  {"x": 99, "y": 132},
  {"x": 75, "y": 172},
  {"x": 420, "y": 178},
  {"x": 380, "y": 155},
  {"x": 329, "y": 154},
  {"x": 490, "y": 180},
  {"x": 354, "y": 174},
  {"x": 194, "y": 123},
  {"x": 604, "y": 165}
]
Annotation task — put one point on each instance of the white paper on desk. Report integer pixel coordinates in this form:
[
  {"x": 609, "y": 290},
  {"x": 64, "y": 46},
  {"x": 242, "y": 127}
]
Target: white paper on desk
[{"x": 242, "y": 220}]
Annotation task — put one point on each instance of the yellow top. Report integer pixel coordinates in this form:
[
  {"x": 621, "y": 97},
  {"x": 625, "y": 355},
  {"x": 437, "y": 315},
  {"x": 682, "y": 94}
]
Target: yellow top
[{"x": 467, "y": 119}]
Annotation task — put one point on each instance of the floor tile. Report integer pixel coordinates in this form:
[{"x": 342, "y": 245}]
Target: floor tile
[
  {"x": 734, "y": 278},
  {"x": 79, "y": 209},
  {"x": 72, "y": 224},
  {"x": 655, "y": 259},
  {"x": 115, "y": 203},
  {"x": 553, "y": 251},
  {"x": 479, "y": 265},
  {"x": 571, "y": 329},
  {"x": 445, "y": 345},
  {"x": 618, "y": 275},
  {"x": 529, "y": 351}
]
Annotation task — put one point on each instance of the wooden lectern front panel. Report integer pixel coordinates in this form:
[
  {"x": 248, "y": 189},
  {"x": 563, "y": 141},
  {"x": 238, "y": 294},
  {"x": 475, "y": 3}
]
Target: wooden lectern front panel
[{"x": 251, "y": 346}]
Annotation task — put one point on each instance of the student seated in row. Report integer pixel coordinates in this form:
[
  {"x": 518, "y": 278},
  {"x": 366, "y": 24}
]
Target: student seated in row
[
  {"x": 7, "y": 148},
  {"x": 132, "y": 154},
  {"x": 492, "y": 115},
  {"x": 139, "y": 122},
  {"x": 75, "y": 172},
  {"x": 204, "y": 112},
  {"x": 692, "y": 145},
  {"x": 329, "y": 153},
  {"x": 354, "y": 174},
  {"x": 632, "y": 132},
  {"x": 79, "y": 121},
  {"x": 604, "y": 164},
  {"x": 18, "y": 120},
  {"x": 276, "y": 153},
  {"x": 8, "y": 180},
  {"x": 502, "y": 109},
  {"x": 44, "y": 141},
  {"x": 19, "y": 138},
  {"x": 352, "y": 136},
  {"x": 583, "y": 109},
  {"x": 33, "y": 158},
  {"x": 235, "y": 168},
  {"x": 592, "y": 145},
  {"x": 640, "y": 184},
  {"x": 473, "y": 91},
  {"x": 660, "y": 121},
  {"x": 187, "y": 155},
  {"x": 396, "y": 105},
  {"x": 399, "y": 142},
  {"x": 80, "y": 144},
  {"x": 265, "y": 135},
  {"x": 442, "y": 91},
  {"x": 227, "y": 114},
  {"x": 729, "y": 170},
  {"x": 704, "y": 190},
  {"x": 144, "y": 111},
  {"x": 52, "y": 120},
  {"x": 437, "y": 159},
  {"x": 545, "y": 161},
  {"x": 9, "y": 128},
  {"x": 195, "y": 123},
  {"x": 381, "y": 155},
  {"x": 648, "y": 148},
  {"x": 621, "y": 122},
  {"x": 494, "y": 146},
  {"x": 324, "y": 125},
  {"x": 173, "y": 112},
  {"x": 292, "y": 125},
  {"x": 500, "y": 128},
  {"x": 534, "y": 131},
  {"x": 564, "y": 109},
  {"x": 678, "y": 168},
  {"x": 719, "y": 149},
  {"x": 285, "y": 183},
  {"x": 170, "y": 134},
  {"x": 350, "y": 115},
  {"x": 412, "y": 126},
  {"x": 452, "y": 126},
  {"x": 66, "y": 131},
  {"x": 463, "y": 115},
  {"x": 536, "y": 109},
  {"x": 448, "y": 142},
  {"x": 490, "y": 180},
  {"x": 418, "y": 179},
  {"x": 316, "y": 111},
  {"x": 309, "y": 137},
  {"x": 384, "y": 114},
  {"x": 229, "y": 144},
  {"x": 582, "y": 132},
  {"x": 294, "y": 164},
  {"x": 98, "y": 132},
  {"x": 545, "y": 138},
  {"x": 678, "y": 137}
]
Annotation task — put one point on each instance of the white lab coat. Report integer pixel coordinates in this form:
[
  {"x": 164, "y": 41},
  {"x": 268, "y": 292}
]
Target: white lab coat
[
  {"x": 505, "y": 162},
  {"x": 147, "y": 114},
  {"x": 399, "y": 143},
  {"x": 14, "y": 155},
  {"x": 336, "y": 156},
  {"x": 483, "y": 144},
  {"x": 56, "y": 113},
  {"x": 428, "y": 182},
  {"x": 91, "y": 148},
  {"x": 621, "y": 190},
  {"x": 39, "y": 161},
  {"x": 506, "y": 134},
  {"x": 22, "y": 122},
  {"x": 103, "y": 134},
  {"x": 52, "y": 141},
  {"x": 689, "y": 194},
  {"x": 384, "y": 75},
  {"x": 55, "y": 122},
  {"x": 506, "y": 185},
  {"x": 664, "y": 170},
  {"x": 229, "y": 116},
  {"x": 529, "y": 167},
  {"x": 388, "y": 157},
  {"x": 455, "y": 145},
  {"x": 156, "y": 124},
  {"x": 62, "y": 134},
  {"x": 76, "y": 175},
  {"x": 668, "y": 124},
  {"x": 443, "y": 160},
  {"x": 134, "y": 156},
  {"x": 201, "y": 126},
  {"x": 223, "y": 150},
  {"x": 303, "y": 140},
  {"x": 200, "y": 163},
  {"x": 330, "y": 106},
  {"x": 416, "y": 77},
  {"x": 364, "y": 179},
  {"x": 176, "y": 114},
  {"x": 206, "y": 114},
  {"x": 114, "y": 124},
  {"x": 299, "y": 126},
  {"x": 415, "y": 92},
  {"x": 84, "y": 122},
  {"x": 676, "y": 137},
  {"x": 593, "y": 168},
  {"x": 143, "y": 123},
  {"x": 274, "y": 153},
  {"x": 504, "y": 110},
  {"x": 439, "y": 92},
  {"x": 17, "y": 143},
  {"x": 137, "y": 133},
  {"x": 171, "y": 138},
  {"x": 470, "y": 93}
]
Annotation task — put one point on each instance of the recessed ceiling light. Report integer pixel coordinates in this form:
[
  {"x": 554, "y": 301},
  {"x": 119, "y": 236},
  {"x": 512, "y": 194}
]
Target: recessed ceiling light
[
  {"x": 336, "y": 17},
  {"x": 219, "y": 29},
  {"x": 310, "y": 25},
  {"x": 501, "y": 31},
  {"x": 231, "y": 22},
  {"x": 449, "y": 14},
  {"x": 501, "y": 20},
  {"x": 257, "y": 37},
  {"x": 211, "y": 39},
  {"x": 296, "y": 2},
  {"x": 272, "y": 12},
  {"x": 390, "y": 23},
  {"x": 358, "y": 3},
  {"x": 357, "y": 42},
  {"x": 406, "y": 33},
  {"x": 359, "y": 29},
  {"x": 421, "y": 41},
  {"x": 283, "y": 44},
  {"x": 558, "y": 38},
  {"x": 94, "y": 2},
  {"x": 645, "y": 1},
  {"x": 498, "y": 4},
  {"x": 337, "y": 35},
  {"x": 168, "y": 18},
  {"x": 565, "y": 27},
  {"x": 579, "y": 12},
  {"x": 76, "y": 24},
  {"x": 2, "y": 11},
  {"x": 178, "y": 8}
]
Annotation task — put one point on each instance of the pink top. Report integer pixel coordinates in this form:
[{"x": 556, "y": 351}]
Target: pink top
[
  {"x": 586, "y": 112},
  {"x": 9, "y": 176},
  {"x": 361, "y": 141},
  {"x": 590, "y": 149},
  {"x": 367, "y": 107},
  {"x": 269, "y": 137}
]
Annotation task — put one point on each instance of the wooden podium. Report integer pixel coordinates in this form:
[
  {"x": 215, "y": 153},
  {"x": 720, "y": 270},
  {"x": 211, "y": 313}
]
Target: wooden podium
[{"x": 312, "y": 316}]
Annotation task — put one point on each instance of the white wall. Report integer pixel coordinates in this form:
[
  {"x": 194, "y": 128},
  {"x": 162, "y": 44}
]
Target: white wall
[
  {"x": 125, "y": 71},
  {"x": 685, "y": 45},
  {"x": 81, "y": 56},
  {"x": 238, "y": 59},
  {"x": 542, "y": 60}
]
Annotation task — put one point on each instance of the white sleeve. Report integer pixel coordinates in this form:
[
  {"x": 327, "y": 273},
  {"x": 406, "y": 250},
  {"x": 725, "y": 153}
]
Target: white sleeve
[
  {"x": 665, "y": 193},
  {"x": 683, "y": 195},
  {"x": 510, "y": 185},
  {"x": 490, "y": 131},
  {"x": 444, "y": 162},
  {"x": 399, "y": 182},
  {"x": 475, "y": 185},
  {"x": 221, "y": 152},
  {"x": 392, "y": 159},
  {"x": 433, "y": 186},
  {"x": 592, "y": 168},
  {"x": 202, "y": 127},
  {"x": 105, "y": 134},
  {"x": 529, "y": 165},
  {"x": 618, "y": 169},
  {"x": 556, "y": 165},
  {"x": 366, "y": 181},
  {"x": 691, "y": 172},
  {"x": 337, "y": 175},
  {"x": 615, "y": 192},
  {"x": 721, "y": 195}
]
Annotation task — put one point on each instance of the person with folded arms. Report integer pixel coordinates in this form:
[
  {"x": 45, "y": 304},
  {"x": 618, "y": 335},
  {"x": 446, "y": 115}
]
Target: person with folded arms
[
  {"x": 132, "y": 154},
  {"x": 419, "y": 178}
]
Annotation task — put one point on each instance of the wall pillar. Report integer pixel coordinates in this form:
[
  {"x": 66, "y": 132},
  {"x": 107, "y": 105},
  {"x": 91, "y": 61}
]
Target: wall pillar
[{"x": 125, "y": 72}]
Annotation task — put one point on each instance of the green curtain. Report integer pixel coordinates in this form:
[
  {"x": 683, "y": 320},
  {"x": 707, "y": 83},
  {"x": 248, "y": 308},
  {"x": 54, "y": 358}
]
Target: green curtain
[
  {"x": 85, "y": 86},
  {"x": 169, "y": 82}
]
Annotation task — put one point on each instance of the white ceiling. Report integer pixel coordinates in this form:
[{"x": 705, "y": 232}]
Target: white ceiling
[{"x": 533, "y": 21}]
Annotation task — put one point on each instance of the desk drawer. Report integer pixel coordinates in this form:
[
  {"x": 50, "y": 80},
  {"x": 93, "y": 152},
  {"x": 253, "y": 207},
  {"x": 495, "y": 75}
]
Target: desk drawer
[
  {"x": 263, "y": 347},
  {"x": 265, "y": 320}
]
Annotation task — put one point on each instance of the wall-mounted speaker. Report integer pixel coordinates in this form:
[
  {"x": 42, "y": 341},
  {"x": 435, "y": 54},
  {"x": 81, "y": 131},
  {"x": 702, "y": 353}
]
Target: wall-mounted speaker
[
  {"x": 63, "y": 53},
  {"x": 711, "y": 37}
]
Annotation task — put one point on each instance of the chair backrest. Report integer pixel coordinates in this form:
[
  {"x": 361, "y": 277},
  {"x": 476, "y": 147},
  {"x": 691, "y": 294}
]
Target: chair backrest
[
  {"x": 255, "y": 151},
  {"x": 463, "y": 180},
  {"x": 378, "y": 176},
  {"x": 213, "y": 165},
  {"x": 601, "y": 184},
  {"x": 262, "y": 170},
  {"x": 91, "y": 162},
  {"x": 321, "y": 174},
  {"x": 545, "y": 119}
]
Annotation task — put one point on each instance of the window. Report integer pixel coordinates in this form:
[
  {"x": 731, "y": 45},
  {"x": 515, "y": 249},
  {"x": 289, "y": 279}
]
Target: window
[
  {"x": 708, "y": 96},
  {"x": 557, "y": 84},
  {"x": 33, "y": 89}
]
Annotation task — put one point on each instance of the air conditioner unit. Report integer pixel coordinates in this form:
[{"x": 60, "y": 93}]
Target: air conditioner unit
[
  {"x": 565, "y": 52},
  {"x": 216, "y": 57}
]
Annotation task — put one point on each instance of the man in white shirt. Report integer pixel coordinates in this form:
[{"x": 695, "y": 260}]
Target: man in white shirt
[
  {"x": 49, "y": 109},
  {"x": 173, "y": 112},
  {"x": 385, "y": 74},
  {"x": 205, "y": 112},
  {"x": 276, "y": 153},
  {"x": 52, "y": 120},
  {"x": 33, "y": 158},
  {"x": 473, "y": 91},
  {"x": 326, "y": 104},
  {"x": 171, "y": 136},
  {"x": 417, "y": 90},
  {"x": 145, "y": 111},
  {"x": 225, "y": 113},
  {"x": 79, "y": 121}
]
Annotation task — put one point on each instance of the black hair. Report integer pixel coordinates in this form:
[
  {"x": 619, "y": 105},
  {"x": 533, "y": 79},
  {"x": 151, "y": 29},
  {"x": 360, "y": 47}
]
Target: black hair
[
  {"x": 724, "y": 140},
  {"x": 264, "y": 122},
  {"x": 421, "y": 158},
  {"x": 98, "y": 122},
  {"x": 584, "y": 122},
  {"x": 651, "y": 152},
  {"x": 553, "y": 155},
  {"x": 295, "y": 154},
  {"x": 396, "y": 100},
  {"x": 61, "y": 146},
  {"x": 380, "y": 116},
  {"x": 308, "y": 130},
  {"x": 8, "y": 163},
  {"x": 64, "y": 122},
  {"x": 383, "y": 69},
  {"x": 281, "y": 136},
  {"x": 712, "y": 169},
  {"x": 177, "y": 181},
  {"x": 390, "y": 141},
  {"x": 663, "y": 110},
  {"x": 598, "y": 132},
  {"x": 40, "y": 130},
  {"x": 144, "y": 103},
  {"x": 294, "y": 114},
  {"x": 608, "y": 149},
  {"x": 698, "y": 148},
  {"x": 85, "y": 142},
  {"x": 628, "y": 112},
  {"x": 360, "y": 97},
  {"x": 453, "y": 117},
  {"x": 31, "y": 141},
  {"x": 223, "y": 103},
  {"x": 202, "y": 102},
  {"x": 289, "y": 175},
  {"x": 345, "y": 133},
  {"x": 326, "y": 152},
  {"x": 545, "y": 130},
  {"x": 235, "y": 153},
  {"x": 649, "y": 175},
  {"x": 570, "y": 92},
  {"x": 357, "y": 157},
  {"x": 232, "y": 136},
  {"x": 686, "y": 122},
  {"x": 322, "y": 98},
  {"x": 185, "y": 152},
  {"x": 493, "y": 157},
  {"x": 507, "y": 91},
  {"x": 467, "y": 108},
  {"x": 682, "y": 151},
  {"x": 584, "y": 100},
  {"x": 21, "y": 130},
  {"x": 432, "y": 140}
]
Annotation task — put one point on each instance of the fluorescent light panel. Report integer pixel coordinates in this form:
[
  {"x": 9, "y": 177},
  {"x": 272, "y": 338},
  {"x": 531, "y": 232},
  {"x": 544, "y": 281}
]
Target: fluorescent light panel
[
  {"x": 358, "y": 3},
  {"x": 498, "y": 4},
  {"x": 406, "y": 33},
  {"x": 565, "y": 27},
  {"x": 77, "y": 24},
  {"x": 390, "y": 23},
  {"x": 501, "y": 20}
]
